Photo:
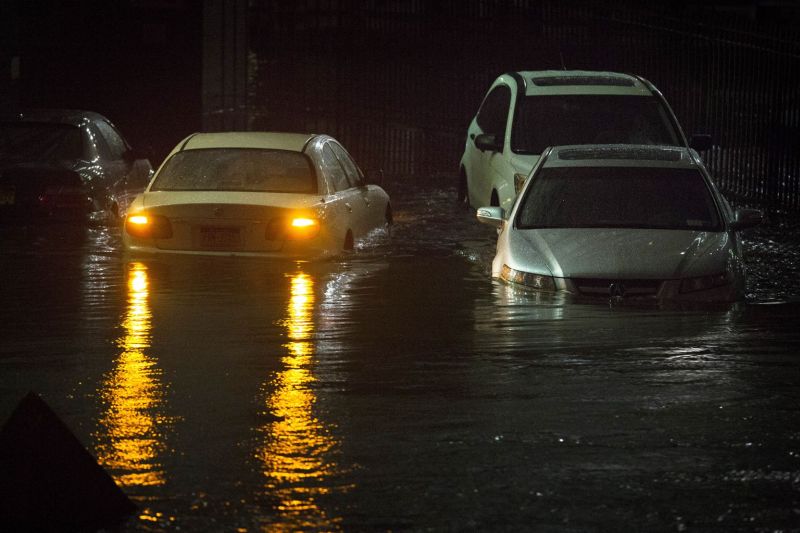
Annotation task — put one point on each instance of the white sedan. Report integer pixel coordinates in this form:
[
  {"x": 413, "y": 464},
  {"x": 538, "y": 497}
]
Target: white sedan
[
  {"x": 618, "y": 222},
  {"x": 256, "y": 193}
]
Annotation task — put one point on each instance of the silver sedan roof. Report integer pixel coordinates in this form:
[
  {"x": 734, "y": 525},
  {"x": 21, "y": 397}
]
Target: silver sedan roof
[{"x": 618, "y": 155}]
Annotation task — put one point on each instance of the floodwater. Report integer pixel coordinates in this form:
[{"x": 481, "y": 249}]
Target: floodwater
[{"x": 399, "y": 388}]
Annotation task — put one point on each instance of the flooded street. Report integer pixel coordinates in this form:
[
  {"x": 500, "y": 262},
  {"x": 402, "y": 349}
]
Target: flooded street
[{"x": 400, "y": 388}]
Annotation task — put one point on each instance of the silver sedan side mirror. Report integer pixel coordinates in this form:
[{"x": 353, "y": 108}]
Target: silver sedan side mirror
[{"x": 493, "y": 216}]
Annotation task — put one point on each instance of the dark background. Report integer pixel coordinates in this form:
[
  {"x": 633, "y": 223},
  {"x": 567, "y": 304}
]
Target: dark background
[
  {"x": 398, "y": 80},
  {"x": 139, "y": 63}
]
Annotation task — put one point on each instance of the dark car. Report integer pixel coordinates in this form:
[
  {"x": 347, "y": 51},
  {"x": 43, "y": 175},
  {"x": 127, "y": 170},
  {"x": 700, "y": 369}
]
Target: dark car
[{"x": 59, "y": 164}]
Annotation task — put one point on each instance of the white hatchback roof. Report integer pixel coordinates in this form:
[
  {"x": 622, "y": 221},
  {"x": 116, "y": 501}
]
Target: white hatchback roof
[{"x": 544, "y": 82}]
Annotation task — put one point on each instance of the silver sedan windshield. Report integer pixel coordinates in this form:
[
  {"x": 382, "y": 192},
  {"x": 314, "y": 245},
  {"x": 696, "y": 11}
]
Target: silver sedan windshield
[
  {"x": 619, "y": 197},
  {"x": 237, "y": 169}
]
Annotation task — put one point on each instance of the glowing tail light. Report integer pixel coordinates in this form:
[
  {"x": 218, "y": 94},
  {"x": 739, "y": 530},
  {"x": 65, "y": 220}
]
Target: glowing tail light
[
  {"x": 145, "y": 226},
  {"x": 304, "y": 222},
  {"x": 303, "y": 228},
  {"x": 295, "y": 228}
]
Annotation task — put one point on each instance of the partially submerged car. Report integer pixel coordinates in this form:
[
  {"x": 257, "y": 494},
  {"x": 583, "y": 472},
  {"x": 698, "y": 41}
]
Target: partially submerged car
[
  {"x": 622, "y": 222},
  {"x": 59, "y": 163},
  {"x": 525, "y": 112},
  {"x": 256, "y": 193}
]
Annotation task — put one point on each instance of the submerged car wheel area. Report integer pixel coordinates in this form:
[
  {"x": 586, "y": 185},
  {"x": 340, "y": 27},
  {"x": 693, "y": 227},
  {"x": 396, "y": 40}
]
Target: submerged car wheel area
[
  {"x": 525, "y": 112},
  {"x": 255, "y": 193},
  {"x": 621, "y": 222}
]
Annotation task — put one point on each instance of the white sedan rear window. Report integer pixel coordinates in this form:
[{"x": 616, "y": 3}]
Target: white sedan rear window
[{"x": 237, "y": 169}]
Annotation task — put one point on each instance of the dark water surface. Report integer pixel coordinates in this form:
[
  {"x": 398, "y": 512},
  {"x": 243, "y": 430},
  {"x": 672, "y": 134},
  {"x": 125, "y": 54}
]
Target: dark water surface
[{"x": 399, "y": 388}]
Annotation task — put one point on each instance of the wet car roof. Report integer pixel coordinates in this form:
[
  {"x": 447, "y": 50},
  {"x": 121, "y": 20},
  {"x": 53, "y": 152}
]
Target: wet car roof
[
  {"x": 76, "y": 117},
  {"x": 544, "y": 82},
  {"x": 247, "y": 139},
  {"x": 620, "y": 155}
]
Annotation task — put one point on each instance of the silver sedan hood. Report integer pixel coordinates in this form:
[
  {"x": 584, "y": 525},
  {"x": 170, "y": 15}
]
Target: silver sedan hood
[{"x": 619, "y": 253}]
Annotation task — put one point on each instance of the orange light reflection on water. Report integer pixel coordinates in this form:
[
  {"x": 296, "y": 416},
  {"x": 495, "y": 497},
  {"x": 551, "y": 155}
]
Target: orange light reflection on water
[
  {"x": 131, "y": 435},
  {"x": 296, "y": 453}
]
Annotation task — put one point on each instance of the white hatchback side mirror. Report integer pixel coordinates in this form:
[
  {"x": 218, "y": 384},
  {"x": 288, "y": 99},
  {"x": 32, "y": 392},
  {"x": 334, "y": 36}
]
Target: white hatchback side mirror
[{"x": 746, "y": 218}]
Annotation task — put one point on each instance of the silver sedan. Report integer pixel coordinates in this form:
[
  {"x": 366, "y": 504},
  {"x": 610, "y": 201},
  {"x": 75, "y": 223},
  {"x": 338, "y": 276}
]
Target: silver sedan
[{"x": 622, "y": 222}]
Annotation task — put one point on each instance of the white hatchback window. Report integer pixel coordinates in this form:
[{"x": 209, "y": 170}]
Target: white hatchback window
[
  {"x": 542, "y": 121},
  {"x": 494, "y": 111}
]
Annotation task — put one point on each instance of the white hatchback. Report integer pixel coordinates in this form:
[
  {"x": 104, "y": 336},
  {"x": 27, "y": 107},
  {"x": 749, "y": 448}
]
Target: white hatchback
[
  {"x": 524, "y": 112},
  {"x": 256, "y": 193}
]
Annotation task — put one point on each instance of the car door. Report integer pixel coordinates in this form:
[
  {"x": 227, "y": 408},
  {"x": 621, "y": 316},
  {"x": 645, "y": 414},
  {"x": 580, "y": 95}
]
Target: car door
[
  {"x": 343, "y": 203},
  {"x": 367, "y": 212},
  {"x": 486, "y": 168},
  {"x": 121, "y": 165}
]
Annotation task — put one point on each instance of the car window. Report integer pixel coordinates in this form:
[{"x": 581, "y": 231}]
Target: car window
[
  {"x": 40, "y": 141},
  {"x": 99, "y": 143},
  {"x": 333, "y": 169},
  {"x": 237, "y": 169},
  {"x": 553, "y": 120},
  {"x": 619, "y": 197},
  {"x": 493, "y": 113},
  {"x": 351, "y": 170},
  {"x": 116, "y": 145}
]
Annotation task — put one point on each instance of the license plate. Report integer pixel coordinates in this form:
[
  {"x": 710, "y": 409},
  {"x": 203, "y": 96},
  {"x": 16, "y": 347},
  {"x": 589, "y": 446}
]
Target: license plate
[
  {"x": 220, "y": 237},
  {"x": 6, "y": 196}
]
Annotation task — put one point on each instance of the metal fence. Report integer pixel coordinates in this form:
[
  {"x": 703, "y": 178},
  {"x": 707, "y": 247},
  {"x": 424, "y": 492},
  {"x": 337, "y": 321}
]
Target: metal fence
[{"x": 398, "y": 81}]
